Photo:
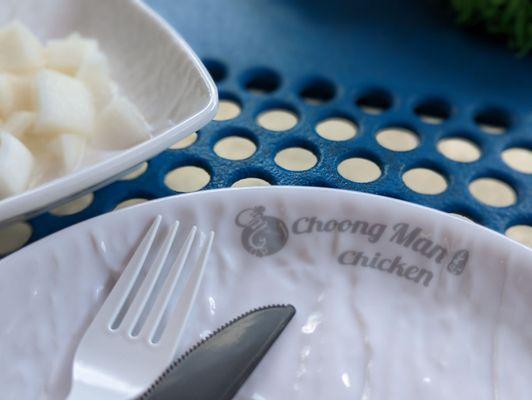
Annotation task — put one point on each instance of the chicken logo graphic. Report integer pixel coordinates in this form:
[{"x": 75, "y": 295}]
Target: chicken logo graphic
[{"x": 262, "y": 235}]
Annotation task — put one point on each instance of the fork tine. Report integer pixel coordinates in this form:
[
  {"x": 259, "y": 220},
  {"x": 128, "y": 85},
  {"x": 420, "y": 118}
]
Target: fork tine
[
  {"x": 165, "y": 294},
  {"x": 176, "y": 323},
  {"x": 114, "y": 302},
  {"x": 141, "y": 297}
]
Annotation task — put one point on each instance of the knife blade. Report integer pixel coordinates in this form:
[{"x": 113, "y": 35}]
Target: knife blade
[{"x": 216, "y": 367}]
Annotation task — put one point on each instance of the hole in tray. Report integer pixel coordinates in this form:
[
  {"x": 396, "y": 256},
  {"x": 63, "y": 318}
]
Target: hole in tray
[
  {"x": 494, "y": 121},
  {"x": 296, "y": 159},
  {"x": 374, "y": 101},
  {"x": 261, "y": 81},
  {"x": 14, "y": 236},
  {"x": 73, "y": 207},
  {"x": 217, "y": 70},
  {"x": 397, "y": 139},
  {"x": 425, "y": 181},
  {"x": 459, "y": 149},
  {"x": 277, "y": 119},
  {"x": 433, "y": 111},
  {"x": 521, "y": 234},
  {"x": 518, "y": 158},
  {"x": 336, "y": 129},
  {"x": 360, "y": 170},
  {"x": 235, "y": 148},
  {"x": 493, "y": 192},
  {"x": 143, "y": 167},
  {"x": 130, "y": 202},
  {"x": 186, "y": 142},
  {"x": 250, "y": 182},
  {"x": 187, "y": 179},
  {"x": 228, "y": 109},
  {"x": 317, "y": 91}
]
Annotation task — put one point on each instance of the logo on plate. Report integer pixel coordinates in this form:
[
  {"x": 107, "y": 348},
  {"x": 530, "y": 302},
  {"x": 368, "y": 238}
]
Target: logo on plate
[
  {"x": 458, "y": 263},
  {"x": 263, "y": 235}
]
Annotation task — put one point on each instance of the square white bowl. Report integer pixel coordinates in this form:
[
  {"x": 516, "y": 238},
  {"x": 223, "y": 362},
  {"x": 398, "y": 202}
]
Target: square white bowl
[{"x": 152, "y": 65}]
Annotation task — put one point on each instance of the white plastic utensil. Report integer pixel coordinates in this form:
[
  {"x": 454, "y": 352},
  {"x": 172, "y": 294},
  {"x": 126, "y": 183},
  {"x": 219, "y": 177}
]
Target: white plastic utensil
[{"x": 118, "y": 357}]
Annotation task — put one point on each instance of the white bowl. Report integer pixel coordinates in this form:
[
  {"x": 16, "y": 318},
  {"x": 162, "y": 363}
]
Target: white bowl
[{"x": 152, "y": 65}]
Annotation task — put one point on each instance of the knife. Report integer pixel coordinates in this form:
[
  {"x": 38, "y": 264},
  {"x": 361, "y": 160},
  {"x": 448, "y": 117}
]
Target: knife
[{"x": 216, "y": 367}]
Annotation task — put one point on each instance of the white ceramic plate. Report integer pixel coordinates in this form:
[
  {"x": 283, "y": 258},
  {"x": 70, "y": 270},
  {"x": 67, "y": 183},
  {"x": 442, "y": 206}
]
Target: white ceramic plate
[
  {"x": 451, "y": 320},
  {"x": 152, "y": 65}
]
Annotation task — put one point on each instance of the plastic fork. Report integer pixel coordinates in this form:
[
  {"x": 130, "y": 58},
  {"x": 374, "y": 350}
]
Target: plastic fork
[{"x": 119, "y": 358}]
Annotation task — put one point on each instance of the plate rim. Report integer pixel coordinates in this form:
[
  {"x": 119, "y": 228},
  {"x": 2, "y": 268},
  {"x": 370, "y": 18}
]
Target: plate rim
[{"x": 287, "y": 190}]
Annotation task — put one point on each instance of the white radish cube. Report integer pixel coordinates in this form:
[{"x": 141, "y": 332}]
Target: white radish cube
[
  {"x": 94, "y": 73},
  {"x": 19, "y": 123},
  {"x": 16, "y": 93},
  {"x": 63, "y": 104},
  {"x": 66, "y": 55},
  {"x": 16, "y": 165},
  {"x": 7, "y": 101},
  {"x": 69, "y": 150},
  {"x": 20, "y": 50},
  {"x": 23, "y": 88},
  {"x": 120, "y": 125}
]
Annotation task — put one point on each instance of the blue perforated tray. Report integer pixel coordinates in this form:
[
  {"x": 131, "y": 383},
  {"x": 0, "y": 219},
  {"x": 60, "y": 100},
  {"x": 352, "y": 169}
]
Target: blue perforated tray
[{"x": 393, "y": 54}]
